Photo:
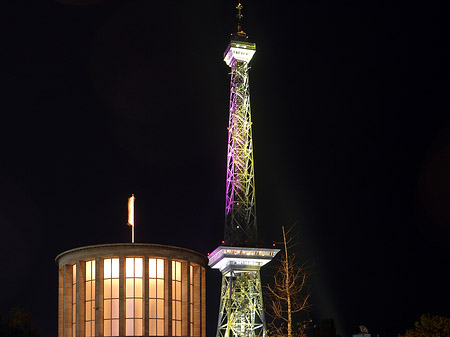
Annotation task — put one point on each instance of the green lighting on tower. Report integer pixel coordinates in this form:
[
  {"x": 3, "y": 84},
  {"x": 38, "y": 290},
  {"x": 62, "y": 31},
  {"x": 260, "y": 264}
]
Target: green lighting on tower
[{"x": 241, "y": 311}]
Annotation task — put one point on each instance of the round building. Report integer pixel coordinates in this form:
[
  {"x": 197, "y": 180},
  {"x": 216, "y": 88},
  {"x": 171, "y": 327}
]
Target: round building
[{"x": 131, "y": 289}]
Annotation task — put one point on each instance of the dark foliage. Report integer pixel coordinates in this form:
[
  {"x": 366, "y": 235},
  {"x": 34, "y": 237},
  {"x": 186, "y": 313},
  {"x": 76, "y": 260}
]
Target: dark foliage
[
  {"x": 430, "y": 326},
  {"x": 327, "y": 329},
  {"x": 17, "y": 323}
]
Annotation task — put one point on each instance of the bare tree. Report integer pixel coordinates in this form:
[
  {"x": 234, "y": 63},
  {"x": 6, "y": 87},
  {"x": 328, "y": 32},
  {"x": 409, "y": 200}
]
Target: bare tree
[{"x": 288, "y": 294}]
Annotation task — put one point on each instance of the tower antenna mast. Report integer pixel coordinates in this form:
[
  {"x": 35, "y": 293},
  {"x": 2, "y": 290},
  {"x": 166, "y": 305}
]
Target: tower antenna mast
[
  {"x": 239, "y": 16},
  {"x": 241, "y": 311}
]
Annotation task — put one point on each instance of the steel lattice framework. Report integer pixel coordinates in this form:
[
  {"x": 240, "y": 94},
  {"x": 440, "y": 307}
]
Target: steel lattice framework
[
  {"x": 241, "y": 309},
  {"x": 241, "y": 312},
  {"x": 240, "y": 208}
]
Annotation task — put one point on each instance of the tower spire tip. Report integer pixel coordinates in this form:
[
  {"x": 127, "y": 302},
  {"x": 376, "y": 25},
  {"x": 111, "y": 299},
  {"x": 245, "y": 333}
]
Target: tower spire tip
[{"x": 240, "y": 32}]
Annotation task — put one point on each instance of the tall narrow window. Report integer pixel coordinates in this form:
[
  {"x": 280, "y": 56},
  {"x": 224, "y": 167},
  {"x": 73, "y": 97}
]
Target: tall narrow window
[
  {"x": 191, "y": 299},
  {"x": 156, "y": 296},
  {"x": 176, "y": 298},
  {"x": 194, "y": 300},
  {"x": 134, "y": 298},
  {"x": 74, "y": 300},
  {"x": 111, "y": 297},
  {"x": 90, "y": 299}
]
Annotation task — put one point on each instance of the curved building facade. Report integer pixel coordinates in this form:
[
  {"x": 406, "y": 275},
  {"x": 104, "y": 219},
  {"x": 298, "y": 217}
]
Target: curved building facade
[{"x": 131, "y": 289}]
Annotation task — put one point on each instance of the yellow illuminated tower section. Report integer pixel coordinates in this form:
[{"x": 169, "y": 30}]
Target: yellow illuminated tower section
[{"x": 241, "y": 311}]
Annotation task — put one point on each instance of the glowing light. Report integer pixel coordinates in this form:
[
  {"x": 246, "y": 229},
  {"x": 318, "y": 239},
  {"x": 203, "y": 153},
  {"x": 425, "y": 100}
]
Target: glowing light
[
  {"x": 228, "y": 259},
  {"x": 239, "y": 51},
  {"x": 111, "y": 297},
  {"x": 133, "y": 294},
  {"x": 176, "y": 298},
  {"x": 156, "y": 297},
  {"x": 90, "y": 299}
]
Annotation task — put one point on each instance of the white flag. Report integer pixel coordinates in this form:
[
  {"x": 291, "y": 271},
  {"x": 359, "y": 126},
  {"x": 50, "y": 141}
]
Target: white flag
[{"x": 131, "y": 210}]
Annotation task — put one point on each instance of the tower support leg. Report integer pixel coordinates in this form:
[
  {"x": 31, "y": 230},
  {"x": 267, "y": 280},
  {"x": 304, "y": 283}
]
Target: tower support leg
[{"x": 241, "y": 312}]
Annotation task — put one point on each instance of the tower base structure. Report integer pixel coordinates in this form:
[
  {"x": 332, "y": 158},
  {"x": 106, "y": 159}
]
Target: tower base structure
[{"x": 241, "y": 311}]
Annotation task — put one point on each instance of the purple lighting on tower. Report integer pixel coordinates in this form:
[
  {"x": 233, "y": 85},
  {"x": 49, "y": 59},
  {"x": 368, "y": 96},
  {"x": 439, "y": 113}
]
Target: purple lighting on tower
[{"x": 240, "y": 207}]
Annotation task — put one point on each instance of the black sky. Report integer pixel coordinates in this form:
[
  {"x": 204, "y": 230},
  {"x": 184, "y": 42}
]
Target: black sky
[{"x": 350, "y": 103}]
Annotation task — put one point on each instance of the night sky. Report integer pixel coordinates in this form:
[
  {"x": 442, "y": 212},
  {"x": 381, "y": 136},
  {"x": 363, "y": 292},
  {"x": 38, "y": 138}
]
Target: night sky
[{"x": 350, "y": 104}]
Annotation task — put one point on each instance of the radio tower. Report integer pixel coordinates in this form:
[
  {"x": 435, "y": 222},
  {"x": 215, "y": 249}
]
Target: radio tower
[{"x": 241, "y": 311}]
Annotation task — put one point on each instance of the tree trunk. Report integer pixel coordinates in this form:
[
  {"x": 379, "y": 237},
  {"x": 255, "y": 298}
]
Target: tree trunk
[{"x": 288, "y": 295}]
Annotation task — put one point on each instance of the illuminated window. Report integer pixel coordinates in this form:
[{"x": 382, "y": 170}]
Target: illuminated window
[
  {"x": 90, "y": 299},
  {"x": 111, "y": 297},
  {"x": 176, "y": 298},
  {"x": 134, "y": 298},
  {"x": 74, "y": 300},
  {"x": 191, "y": 300},
  {"x": 194, "y": 299},
  {"x": 156, "y": 296}
]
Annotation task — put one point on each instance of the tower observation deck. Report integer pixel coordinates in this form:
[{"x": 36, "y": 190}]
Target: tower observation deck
[{"x": 241, "y": 311}]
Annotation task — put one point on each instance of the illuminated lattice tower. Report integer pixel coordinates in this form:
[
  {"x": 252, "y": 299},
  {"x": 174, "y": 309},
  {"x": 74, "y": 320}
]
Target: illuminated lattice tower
[{"x": 241, "y": 311}]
